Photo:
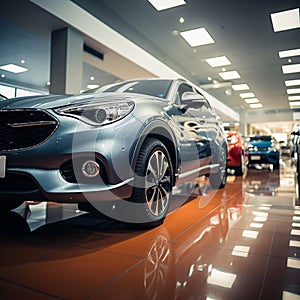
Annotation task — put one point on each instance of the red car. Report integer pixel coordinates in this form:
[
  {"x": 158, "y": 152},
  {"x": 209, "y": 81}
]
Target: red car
[{"x": 237, "y": 153}]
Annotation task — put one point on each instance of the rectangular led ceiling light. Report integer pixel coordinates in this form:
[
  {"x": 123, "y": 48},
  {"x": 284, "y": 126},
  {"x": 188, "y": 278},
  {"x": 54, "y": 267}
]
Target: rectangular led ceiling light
[
  {"x": 294, "y": 104},
  {"x": 251, "y": 100},
  {"x": 289, "y": 53},
  {"x": 293, "y": 98},
  {"x": 288, "y": 69},
  {"x": 197, "y": 37},
  {"x": 292, "y": 82},
  {"x": 247, "y": 95},
  {"x": 13, "y": 68},
  {"x": 256, "y": 105},
  {"x": 293, "y": 91},
  {"x": 218, "y": 61},
  {"x": 165, "y": 4},
  {"x": 240, "y": 87},
  {"x": 230, "y": 75},
  {"x": 285, "y": 20}
]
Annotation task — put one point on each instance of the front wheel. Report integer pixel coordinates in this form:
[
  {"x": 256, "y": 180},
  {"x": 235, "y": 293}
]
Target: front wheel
[
  {"x": 276, "y": 165},
  {"x": 153, "y": 182},
  {"x": 218, "y": 180},
  {"x": 239, "y": 171}
]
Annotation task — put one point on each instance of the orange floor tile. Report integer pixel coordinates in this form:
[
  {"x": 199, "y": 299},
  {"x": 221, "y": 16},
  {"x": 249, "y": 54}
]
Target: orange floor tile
[{"x": 241, "y": 242}]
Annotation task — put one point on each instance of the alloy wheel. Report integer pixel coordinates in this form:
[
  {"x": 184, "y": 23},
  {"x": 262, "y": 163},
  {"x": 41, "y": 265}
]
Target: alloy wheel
[{"x": 158, "y": 183}]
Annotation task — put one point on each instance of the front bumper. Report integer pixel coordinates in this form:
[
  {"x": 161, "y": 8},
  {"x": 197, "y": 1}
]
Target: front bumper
[
  {"x": 41, "y": 173},
  {"x": 259, "y": 157},
  {"x": 22, "y": 186}
]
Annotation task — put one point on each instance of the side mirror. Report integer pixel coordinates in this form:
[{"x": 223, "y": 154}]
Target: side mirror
[
  {"x": 193, "y": 100},
  {"x": 191, "y": 96}
]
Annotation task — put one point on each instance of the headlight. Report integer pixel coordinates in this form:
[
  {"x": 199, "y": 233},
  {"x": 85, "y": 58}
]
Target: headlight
[
  {"x": 252, "y": 149},
  {"x": 232, "y": 139},
  {"x": 98, "y": 113}
]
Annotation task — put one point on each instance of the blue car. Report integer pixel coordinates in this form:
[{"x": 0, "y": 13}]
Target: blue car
[
  {"x": 262, "y": 150},
  {"x": 125, "y": 145}
]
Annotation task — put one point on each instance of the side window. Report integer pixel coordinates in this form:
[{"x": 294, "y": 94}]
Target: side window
[{"x": 182, "y": 89}]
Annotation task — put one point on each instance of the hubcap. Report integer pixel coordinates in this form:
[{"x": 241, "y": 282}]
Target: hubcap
[{"x": 158, "y": 183}]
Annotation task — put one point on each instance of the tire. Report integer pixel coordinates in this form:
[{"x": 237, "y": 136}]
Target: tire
[
  {"x": 8, "y": 205},
  {"x": 276, "y": 166},
  {"x": 239, "y": 171},
  {"x": 153, "y": 183},
  {"x": 218, "y": 180}
]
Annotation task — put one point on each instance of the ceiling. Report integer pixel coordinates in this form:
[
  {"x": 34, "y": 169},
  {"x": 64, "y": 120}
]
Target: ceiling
[{"x": 242, "y": 32}]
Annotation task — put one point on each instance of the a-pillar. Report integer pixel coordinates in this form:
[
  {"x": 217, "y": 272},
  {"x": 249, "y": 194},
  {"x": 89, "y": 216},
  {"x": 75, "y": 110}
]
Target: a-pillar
[{"x": 66, "y": 61}]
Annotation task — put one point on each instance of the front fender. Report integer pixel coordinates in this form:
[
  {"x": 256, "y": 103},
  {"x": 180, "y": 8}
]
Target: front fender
[{"x": 157, "y": 127}]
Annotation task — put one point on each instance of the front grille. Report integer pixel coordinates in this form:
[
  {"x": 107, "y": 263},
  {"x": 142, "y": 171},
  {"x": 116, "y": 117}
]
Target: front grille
[
  {"x": 17, "y": 183},
  {"x": 21, "y": 129},
  {"x": 263, "y": 149}
]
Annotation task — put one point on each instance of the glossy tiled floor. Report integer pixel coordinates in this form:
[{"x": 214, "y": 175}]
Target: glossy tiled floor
[{"x": 242, "y": 242}]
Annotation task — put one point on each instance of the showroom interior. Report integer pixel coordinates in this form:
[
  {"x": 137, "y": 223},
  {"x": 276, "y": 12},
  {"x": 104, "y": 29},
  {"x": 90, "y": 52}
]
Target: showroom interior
[{"x": 241, "y": 241}]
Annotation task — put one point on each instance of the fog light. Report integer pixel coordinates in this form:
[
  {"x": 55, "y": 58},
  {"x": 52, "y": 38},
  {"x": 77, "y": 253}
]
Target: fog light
[{"x": 90, "y": 168}]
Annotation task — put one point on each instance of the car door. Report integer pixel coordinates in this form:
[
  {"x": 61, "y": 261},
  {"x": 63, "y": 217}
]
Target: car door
[{"x": 194, "y": 117}]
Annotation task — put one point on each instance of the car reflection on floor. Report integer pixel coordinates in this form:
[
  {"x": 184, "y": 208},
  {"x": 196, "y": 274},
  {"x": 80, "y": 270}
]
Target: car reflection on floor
[
  {"x": 214, "y": 244},
  {"x": 263, "y": 183}
]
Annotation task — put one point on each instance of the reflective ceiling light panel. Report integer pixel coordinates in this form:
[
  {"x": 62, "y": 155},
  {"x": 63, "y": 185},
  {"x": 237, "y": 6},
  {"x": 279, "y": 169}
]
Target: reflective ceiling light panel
[
  {"x": 240, "y": 87},
  {"x": 288, "y": 69},
  {"x": 293, "y": 98},
  {"x": 13, "y": 68},
  {"x": 294, "y": 104},
  {"x": 251, "y": 100},
  {"x": 165, "y": 4},
  {"x": 293, "y": 91},
  {"x": 289, "y": 53},
  {"x": 292, "y": 82},
  {"x": 197, "y": 37},
  {"x": 256, "y": 105},
  {"x": 247, "y": 95},
  {"x": 218, "y": 61},
  {"x": 285, "y": 20},
  {"x": 230, "y": 75}
]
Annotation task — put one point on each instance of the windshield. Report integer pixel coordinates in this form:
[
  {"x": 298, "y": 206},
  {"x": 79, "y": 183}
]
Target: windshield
[
  {"x": 157, "y": 88},
  {"x": 264, "y": 138}
]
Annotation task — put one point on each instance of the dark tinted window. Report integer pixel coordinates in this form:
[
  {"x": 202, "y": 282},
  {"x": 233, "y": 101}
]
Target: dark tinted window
[
  {"x": 184, "y": 88},
  {"x": 156, "y": 88},
  {"x": 261, "y": 138}
]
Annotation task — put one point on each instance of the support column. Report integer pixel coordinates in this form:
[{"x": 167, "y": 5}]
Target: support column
[
  {"x": 243, "y": 128},
  {"x": 66, "y": 61}
]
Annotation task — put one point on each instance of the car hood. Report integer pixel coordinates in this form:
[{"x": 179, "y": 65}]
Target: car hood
[{"x": 54, "y": 101}]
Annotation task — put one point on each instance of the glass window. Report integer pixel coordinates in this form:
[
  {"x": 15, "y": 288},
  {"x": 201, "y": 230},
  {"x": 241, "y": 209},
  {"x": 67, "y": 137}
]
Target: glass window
[
  {"x": 7, "y": 91},
  {"x": 157, "y": 88},
  {"x": 21, "y": 93},
  {"x": 184, "y": 88},
  {"x": 261, "y": 138}
]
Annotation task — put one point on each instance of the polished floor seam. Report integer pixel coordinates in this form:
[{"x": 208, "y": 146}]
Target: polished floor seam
[{"x": 32, "y": 289}]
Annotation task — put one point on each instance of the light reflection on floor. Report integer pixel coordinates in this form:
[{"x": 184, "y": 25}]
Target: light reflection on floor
[{"x": 242, "y": 242}]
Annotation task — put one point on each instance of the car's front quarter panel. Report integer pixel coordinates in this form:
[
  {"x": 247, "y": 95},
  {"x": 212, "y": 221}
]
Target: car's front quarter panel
[{"x": 74, "y": 140}]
